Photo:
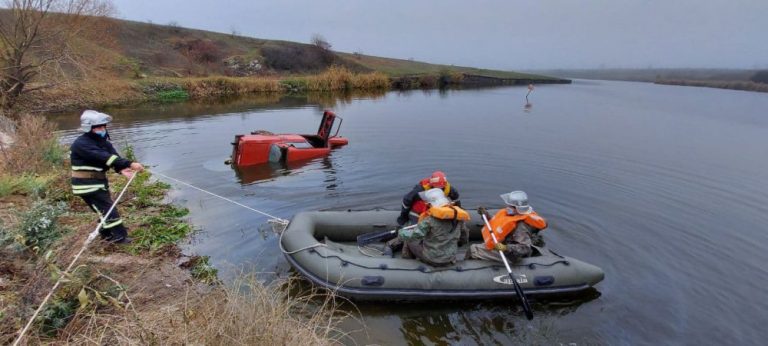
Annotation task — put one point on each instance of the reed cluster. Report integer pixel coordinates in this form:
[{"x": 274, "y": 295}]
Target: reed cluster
[
  {"x": 229, "y": 86},
  {"x": 339, "y": 78}
]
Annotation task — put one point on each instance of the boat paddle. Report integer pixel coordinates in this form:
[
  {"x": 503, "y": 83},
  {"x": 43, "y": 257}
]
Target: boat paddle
[
  {"x": 367, "y": 238},
  {"x": 518, "y": 289}
]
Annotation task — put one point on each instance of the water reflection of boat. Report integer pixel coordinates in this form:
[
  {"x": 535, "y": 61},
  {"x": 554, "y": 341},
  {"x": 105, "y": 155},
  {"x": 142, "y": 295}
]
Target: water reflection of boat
[
  {"x": 261, "y": 147},
  {"x": 321, "y": 246},
  {"x": 254, "y": 174}
]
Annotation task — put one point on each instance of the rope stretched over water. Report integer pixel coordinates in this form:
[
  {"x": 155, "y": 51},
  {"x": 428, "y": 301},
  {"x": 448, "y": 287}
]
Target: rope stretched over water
[
  {"x": 71, "y": 264},
  {"x": 272, "y": 217}
]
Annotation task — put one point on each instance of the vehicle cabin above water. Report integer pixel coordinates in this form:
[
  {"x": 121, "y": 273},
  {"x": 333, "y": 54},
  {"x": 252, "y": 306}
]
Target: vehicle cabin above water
[{"x": 264, "y": 147}]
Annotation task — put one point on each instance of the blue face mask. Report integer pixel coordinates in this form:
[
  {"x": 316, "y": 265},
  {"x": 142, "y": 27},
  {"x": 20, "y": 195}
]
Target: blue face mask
[{"x": 102, "y": 133}]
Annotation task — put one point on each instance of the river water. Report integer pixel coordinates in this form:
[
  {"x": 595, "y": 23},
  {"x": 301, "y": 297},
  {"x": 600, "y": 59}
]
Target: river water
[{"x": 664, "y": 187}]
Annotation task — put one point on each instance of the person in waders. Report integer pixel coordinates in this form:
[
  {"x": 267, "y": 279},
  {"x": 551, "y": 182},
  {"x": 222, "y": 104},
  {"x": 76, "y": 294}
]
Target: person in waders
[
  {"x": 413, "y": 206},
  {"x": 435, "y": 239},
  {"x": 92, "y": 155},
  {"x": 516, "y": 227}
]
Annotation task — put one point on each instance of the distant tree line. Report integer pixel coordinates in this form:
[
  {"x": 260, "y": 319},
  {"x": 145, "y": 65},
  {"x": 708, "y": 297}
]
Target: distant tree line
[{"x": 760, "y": 77}]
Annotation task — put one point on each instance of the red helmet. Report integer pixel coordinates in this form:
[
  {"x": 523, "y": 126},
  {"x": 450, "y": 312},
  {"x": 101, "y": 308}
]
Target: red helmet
[{"x": 438, "y": 180}]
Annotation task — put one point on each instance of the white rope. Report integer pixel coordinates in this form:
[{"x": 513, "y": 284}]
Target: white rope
[
  {"x": 360, "y": 248},
  {"x": 277, "y": 219},
  {"x": 71, "y": 264},
  {"x": 280, "y": 241}
]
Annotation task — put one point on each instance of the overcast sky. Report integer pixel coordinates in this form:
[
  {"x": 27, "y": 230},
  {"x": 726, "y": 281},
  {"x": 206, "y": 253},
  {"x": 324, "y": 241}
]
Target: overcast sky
[{"x": 499, "y": 34}]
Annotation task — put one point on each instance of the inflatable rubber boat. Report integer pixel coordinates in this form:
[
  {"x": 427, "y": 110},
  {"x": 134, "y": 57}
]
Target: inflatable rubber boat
[
  {"x": 321, "y": 245},
  {"x": 262, "y": 147}
]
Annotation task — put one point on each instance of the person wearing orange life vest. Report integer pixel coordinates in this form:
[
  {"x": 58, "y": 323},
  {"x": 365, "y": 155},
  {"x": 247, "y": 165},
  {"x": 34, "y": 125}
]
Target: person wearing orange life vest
[
  {"x": 413, "y": 205},
  {"x": 513, "y": 226},
  {"x": 435, "y": 239}
]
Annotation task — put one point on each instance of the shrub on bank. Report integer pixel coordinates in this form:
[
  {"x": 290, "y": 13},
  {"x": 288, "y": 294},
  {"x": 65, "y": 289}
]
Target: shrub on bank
[
  {"x": 448, "y": 77},
  {"x": 27, "y": 184},
  {"x": 34, "y": 149},
  {"x": 38, "y": 227}
]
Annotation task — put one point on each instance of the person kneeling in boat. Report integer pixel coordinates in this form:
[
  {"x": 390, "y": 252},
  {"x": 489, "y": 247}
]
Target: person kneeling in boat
[
  {"x": 516, "y": 228},
  {"x": 435, "y": 239},
  {"x": 413, "y": 205}
]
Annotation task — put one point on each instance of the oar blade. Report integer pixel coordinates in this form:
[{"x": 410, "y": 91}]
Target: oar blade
[{"x": 523, "y": 299}]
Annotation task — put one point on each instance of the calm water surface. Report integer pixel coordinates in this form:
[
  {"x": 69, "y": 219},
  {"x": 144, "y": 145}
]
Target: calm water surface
[{"x": 664, "y": 187}]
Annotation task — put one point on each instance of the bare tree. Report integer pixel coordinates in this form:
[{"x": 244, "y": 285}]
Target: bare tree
[
  {"x": 37, "y": 37},
  {"x": 320, "y": 42}
]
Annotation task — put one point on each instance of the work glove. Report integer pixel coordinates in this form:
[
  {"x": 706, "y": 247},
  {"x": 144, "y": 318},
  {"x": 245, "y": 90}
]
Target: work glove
[
  {"x": 482, "y": 211},
  {"x": 500, "y": 247}
]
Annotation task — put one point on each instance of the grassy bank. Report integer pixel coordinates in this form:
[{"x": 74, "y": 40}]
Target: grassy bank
[
  {"x": 120, "y": 92},
  {"x": 733, "y": 85},
  {"x": 134, "y": 294},
  {"x": 114, "y": 92}
]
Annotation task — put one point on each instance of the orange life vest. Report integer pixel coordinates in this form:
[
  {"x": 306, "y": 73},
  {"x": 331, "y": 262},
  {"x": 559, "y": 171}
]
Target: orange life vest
[
  {"x": 420, "y": 206},
  {"x": 446, "y": 212},
  {"x": 504, "y": 224}
]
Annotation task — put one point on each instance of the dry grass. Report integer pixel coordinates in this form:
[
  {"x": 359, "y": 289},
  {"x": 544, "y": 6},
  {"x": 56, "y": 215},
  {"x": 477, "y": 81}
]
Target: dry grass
[
  {"x": 96, "y": 92},
  {"x": 250, "y": 313},
  {"x": 34, "y": 150},
  {"x": 247, "y": 312},
  {"x": 229, "y": 86},
  {"x": 340, "y": 78}
]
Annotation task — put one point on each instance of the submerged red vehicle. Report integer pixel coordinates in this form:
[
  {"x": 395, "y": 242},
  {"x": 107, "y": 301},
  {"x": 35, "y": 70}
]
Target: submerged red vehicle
[{"x": 264, "y": 147}]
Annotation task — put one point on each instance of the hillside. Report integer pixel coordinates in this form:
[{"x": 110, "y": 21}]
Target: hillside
[
  {"x": 123, "y": 62},
  {"x": 161, "y": 50},
  {"x": 653, "y": 74}
]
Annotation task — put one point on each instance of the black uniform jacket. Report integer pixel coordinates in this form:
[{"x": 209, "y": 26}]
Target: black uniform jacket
[{"x": 92, "y": 153}]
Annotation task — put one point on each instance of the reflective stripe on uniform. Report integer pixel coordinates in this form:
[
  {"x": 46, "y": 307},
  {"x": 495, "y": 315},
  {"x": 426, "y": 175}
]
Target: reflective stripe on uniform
[
  {"x": 111, "y": 160},
  {"x": 83, "y": 189},
  {"x": 86, "y": 168},
  {"x": 112, "y": 224},
  {"x": 82, "y": 192}
]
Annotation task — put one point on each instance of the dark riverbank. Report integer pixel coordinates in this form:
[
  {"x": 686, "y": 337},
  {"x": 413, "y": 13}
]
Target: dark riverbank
[
  {"x": 128, "y": 92},
  {"x": 732, "y": 85}
]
